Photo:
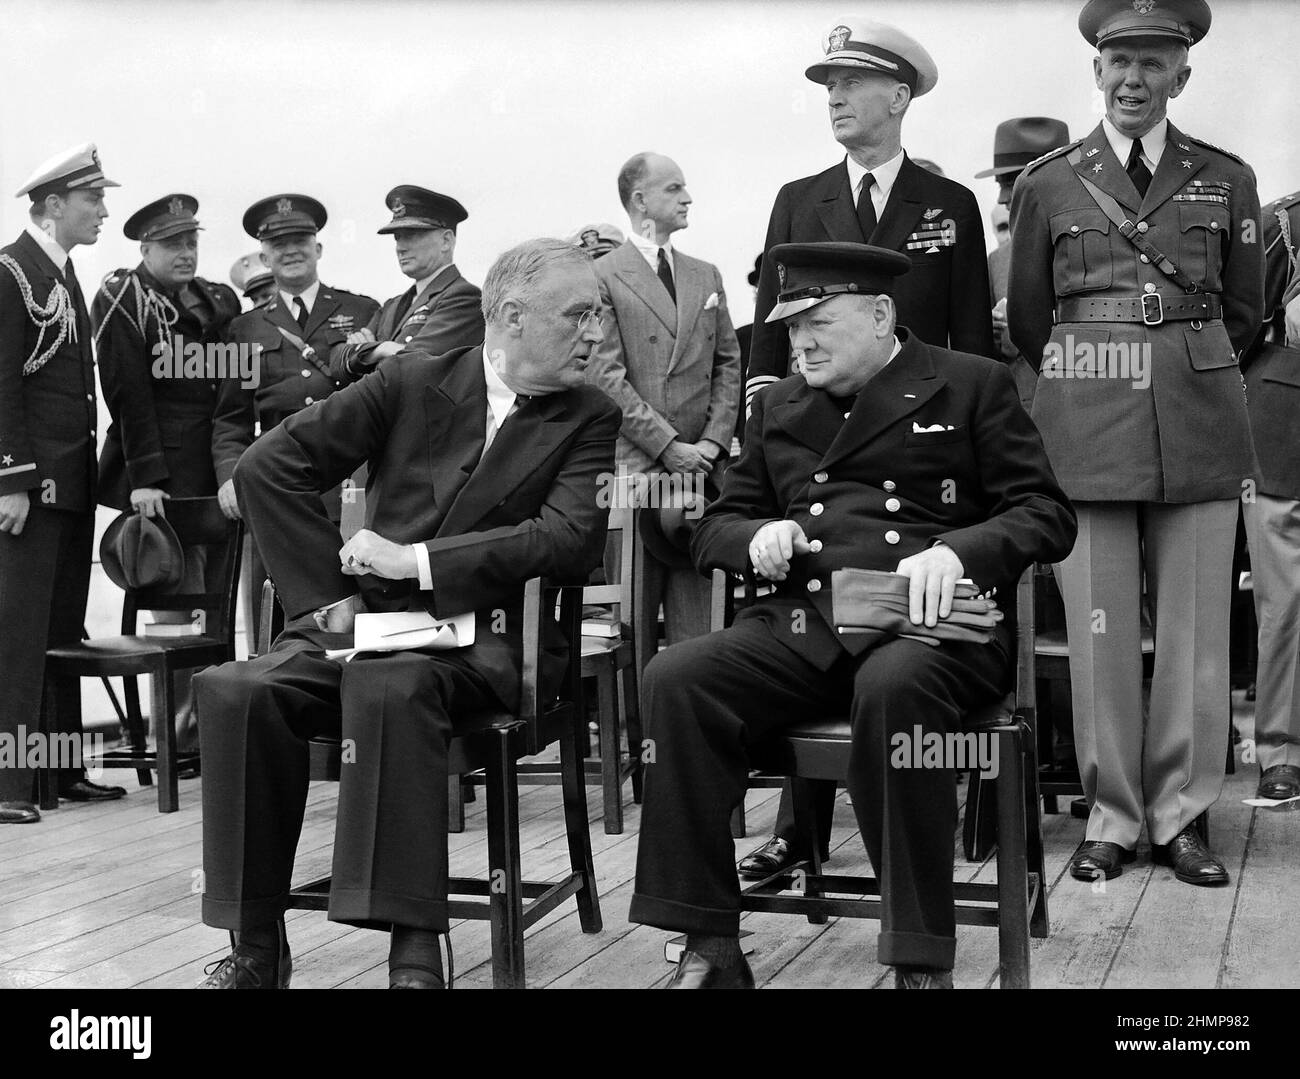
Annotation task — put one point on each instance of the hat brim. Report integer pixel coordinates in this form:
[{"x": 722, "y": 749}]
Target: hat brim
[
  {"x": 1001, "y": 170},
  {"x": 925, "y": 81},
  {"x": 274, "y": 232},
  {"x": 110, "y": 556},
  {"x": 409, "y": 223},
  {"x": 794, "y": 307},
  {"x": 168, "y": 231}
]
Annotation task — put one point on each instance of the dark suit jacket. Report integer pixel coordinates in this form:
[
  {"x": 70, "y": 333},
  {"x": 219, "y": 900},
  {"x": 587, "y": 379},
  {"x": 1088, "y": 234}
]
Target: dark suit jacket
[
  {"x": 529, "y": 508},
  {"x": 47, "y": 417},
  {"x": 161, "y": 434},
  {"x": 289, "y": 381},
  {"x": 873, "y": 491},
  {"x": 933, "y": 220},
  {"x": 446, "y": 315}
]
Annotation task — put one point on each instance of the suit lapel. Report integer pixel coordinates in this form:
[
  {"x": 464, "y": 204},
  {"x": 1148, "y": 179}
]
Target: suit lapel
[
  {"x": 811, "y": 417},
  {"x": 689, "y": 282},
  {"x": 435, "y": 288},
  {"x": 326, "y": 304},
  {"x": 455, "y": 412},
  {"x": 1179, "y": 163},
  {"x": 834, "y": 205},
  {"x": 278, "y": 315},
  {"x": 903, "y": 210},
  {"x": 635, "y": 273},
  {"x": 1098, "y": 165},
  {"x": 906, "y": 383}
]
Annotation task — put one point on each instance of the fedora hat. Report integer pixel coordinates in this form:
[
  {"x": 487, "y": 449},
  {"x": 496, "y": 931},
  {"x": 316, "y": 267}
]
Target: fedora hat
[
  {"x": 666, "y": 530},
  {"x": 140, "y": 552}
]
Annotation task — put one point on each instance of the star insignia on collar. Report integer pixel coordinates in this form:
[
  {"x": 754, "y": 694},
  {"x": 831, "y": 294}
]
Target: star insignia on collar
[
  {"x": 1186, "y": 164},
  {"x": 8, "y": 459},
  {"x": 1097, "y": 167}
]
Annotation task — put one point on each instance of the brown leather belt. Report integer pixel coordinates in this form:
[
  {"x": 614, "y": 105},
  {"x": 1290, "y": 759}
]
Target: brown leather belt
[{"x": 1151, "y": 309}]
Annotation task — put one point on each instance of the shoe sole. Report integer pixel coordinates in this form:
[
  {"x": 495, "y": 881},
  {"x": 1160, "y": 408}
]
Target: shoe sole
[{"x": 1092, "y": 876}]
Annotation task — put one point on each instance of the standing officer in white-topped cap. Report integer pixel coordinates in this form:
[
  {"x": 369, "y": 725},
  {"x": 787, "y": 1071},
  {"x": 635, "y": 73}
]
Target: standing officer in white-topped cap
[
  {"x": 876, "y": 195},
  {"x": 253, "y": 279},
  {"x": 47, "y": 459},
  {"x": 1136, "y": 277}
]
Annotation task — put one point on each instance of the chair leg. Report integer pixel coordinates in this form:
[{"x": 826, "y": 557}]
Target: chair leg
[
  {"x": 455, "y": 805},
  {"x": 1013, "y": 868},
  {"x": 611, "y": 764},
  {"x": 979, "y": 824},
  {"x": 505, "y": 889},
  {"x": 47, "y": 779},
  {"x": 805, "y": 824},
  {"x": 573, "y": 785},
  {"x": 632, "y": 717},
  {"x": 1038, "y": 921},
  {"x": 162, "y": 698},
  {"x": 135, "y": 726}
]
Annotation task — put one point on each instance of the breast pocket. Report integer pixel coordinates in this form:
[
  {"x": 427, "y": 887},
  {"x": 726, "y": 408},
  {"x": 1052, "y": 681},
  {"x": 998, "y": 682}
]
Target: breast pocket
[
  {"x": 925, "y": 439},
  {"x": 1082, "y": 260},
  {"x": 1201, "y": 230}
]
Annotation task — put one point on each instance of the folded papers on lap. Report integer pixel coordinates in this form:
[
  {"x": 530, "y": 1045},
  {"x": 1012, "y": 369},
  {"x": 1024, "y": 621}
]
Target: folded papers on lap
[
  {"x": 873, "y": 601},
  {"x": 404, "y": 631}
]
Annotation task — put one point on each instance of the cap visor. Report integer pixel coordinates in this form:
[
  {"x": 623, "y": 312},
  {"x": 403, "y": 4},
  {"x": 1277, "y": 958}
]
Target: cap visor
[
  {"x": 793, "y": 307},
  {"x": 407, "y": 223},
  {"x": 174, "y": 230}
]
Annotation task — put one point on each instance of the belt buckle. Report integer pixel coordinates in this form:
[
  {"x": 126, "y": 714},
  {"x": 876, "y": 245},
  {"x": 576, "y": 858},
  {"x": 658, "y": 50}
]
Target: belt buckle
[{"x": 1148, "y": 317}]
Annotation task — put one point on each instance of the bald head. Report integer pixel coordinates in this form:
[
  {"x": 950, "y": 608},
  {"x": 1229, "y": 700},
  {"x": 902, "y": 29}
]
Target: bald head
[{"x": 653, "y": 191}]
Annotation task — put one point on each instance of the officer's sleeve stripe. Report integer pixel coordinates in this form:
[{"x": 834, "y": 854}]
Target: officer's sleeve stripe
[
  {"x": 757, "y": 383},
  {"x": 17, "y": 468}
]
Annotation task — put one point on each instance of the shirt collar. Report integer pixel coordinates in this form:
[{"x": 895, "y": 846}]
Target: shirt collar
[
  {"x": 1153, "y": 142},
  {"x": 898, "y": 347},
  {"x": 308, "y": 297},
  {"x": 424, "y": 282},
  {"x": 501, "y": 398},
  {"x": 48, "y": 244},
  {"x": 884, "y": 175},
  {"x": 650, "y": 250}
]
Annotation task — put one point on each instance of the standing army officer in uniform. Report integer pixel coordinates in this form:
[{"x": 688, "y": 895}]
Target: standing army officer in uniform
[
  {"x": 847, "y": 465},
  {"x": 159, "y": 445},
  {"x": 441, "y": 311},
  {"x": 47, "y": 459},
  {"x": 877, "y": 195},
  {"x": 1136, "y": 277},
  {"x": 293, "y": 335}
]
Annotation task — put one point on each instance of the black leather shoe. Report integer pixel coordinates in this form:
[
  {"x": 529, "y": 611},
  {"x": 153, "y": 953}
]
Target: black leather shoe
[
  {"x": 1280, "y": 781},
  {"x": 922, "y": 978},
  {"x": 1096, "y": 860},
  {"x": 85, "y": 791},
  {"x": 239, "y": 971},
  {"x": 1193, "y": 862},
  {"x": 693, "y": 972},
  {"x": 19, "y": 813},
  {"x": 771, "y": 857}
]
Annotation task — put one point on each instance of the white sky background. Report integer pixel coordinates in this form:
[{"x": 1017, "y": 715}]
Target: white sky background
[{"x": 525, "y": 111}]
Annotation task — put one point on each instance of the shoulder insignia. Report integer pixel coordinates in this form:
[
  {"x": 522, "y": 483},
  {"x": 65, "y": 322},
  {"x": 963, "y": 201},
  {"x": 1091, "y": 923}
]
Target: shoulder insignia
[
  {"x": 1216, "y": 149},
  {"x": 1285, "y": 202},
  {"x": 1051, "y": 154}
]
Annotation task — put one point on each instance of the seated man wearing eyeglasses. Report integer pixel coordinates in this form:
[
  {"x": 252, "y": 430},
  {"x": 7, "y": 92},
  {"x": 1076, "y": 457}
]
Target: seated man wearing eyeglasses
[
  {"x": 884, "y": 453},
  {"x": 484, "y": 469}
]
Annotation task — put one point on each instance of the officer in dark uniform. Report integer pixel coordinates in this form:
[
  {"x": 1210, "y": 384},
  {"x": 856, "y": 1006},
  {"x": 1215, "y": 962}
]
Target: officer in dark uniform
[
  {"x": 47, "y": 460},
  {"x": 880, "y": 196},
  {"x": 293, "y": 334},
  {"x": 1136, "y": 278},
  {"x": 253, "y": 279},
  {"x": 441, "y": 311},
  {"x": 845, "y": 465},
  {"x": 1273, "y": 515}
]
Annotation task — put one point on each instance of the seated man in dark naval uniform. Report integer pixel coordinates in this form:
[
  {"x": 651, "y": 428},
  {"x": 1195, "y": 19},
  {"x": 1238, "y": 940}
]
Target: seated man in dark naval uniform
[{"x": 885, "y": 453}]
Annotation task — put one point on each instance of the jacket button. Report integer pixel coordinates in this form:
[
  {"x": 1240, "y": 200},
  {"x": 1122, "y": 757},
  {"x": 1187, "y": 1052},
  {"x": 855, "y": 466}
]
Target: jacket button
[
  {"x": 1213, "y": 225},
  {"x": 892, "y": 504},
  {"x": 1148, "y": 287},
  {"x": 815, "y": 546},
  {"x": 90, "y": 397},
  {"x": 889, "y": 485},
  {"x": 306, "y": 400},
  {"x": 408, "y": 341},
  {"x": 892, "y": 537},
  {"x": 820, "y": 477},
  {"x": 814, "y": 585},
  {"x": 1074, "y": 228},
  {"x": 1142, "y": 226},
  {"x": 816, "y": 509},
  {"x": 306, "y": 372},
  {"x": 653, "y": 338},
  {"x": 1144, "y": 258}
]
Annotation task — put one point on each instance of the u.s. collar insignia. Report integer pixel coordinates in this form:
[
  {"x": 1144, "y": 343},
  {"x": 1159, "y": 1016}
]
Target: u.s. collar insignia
[
  {"x": 175, "y": 207},
  {"x": 1184, "y": 146},
  {"x": 399, "y": 208},
  {"x": 1144, "y": 7},
  {"x": 283, "y": 206},
  {"x": 837, "y": 38},
  {"x": 1095, "y": 150},
  {"x": 780, "y": 275}
]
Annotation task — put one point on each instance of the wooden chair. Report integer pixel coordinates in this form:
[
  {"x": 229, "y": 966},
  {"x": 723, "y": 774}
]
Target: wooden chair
[
  {"x": 818, "y": 749},
  {"x": 492, "y": 742},
  {"x": 197, "y": 522}
]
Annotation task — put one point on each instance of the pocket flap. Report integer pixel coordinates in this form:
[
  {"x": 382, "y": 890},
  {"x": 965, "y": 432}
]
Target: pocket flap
[
  {"x": 1209, "y": 349},
  {"x": 1077, "y": 222}
]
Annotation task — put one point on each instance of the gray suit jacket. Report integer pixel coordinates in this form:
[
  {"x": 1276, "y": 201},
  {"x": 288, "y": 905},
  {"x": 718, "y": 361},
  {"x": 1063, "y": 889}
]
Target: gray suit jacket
[{"x": 674, "y": 372}]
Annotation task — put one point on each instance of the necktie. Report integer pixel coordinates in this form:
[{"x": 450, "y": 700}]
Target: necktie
[
  {"x": 1137, "y": 169},
  {"x": 300, "y": 311},
  {"x": 866, "y": 208},
  {"x": 666, "y": 275},
  {"x": 403, "y": 306}
]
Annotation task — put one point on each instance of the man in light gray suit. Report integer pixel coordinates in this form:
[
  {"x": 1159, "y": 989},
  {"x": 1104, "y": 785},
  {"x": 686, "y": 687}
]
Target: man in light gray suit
[{"x": 671, "y": 362}]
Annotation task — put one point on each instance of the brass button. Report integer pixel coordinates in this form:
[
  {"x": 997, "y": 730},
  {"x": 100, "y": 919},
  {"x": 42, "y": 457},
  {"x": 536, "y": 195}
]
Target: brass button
[
  {"x": 90, "y": 397},
  {"x": 1148, "y": 287},
  {"x": 892, "y": 537},
  {"x": 1074, "y": 228},
  {"x": 889, "y": 485},
  {"x": 816, "y": 509},
  {"x": 1144, "y": 258},
  {"x": 306, "y": 372},
  {"x": 408, "y": 341},
  {"x": 892, "y": 504},
  {"x": 814, "y": 585},
  {"x": 307, "y": 400},
  {"x": 1143, "y": 226},
  {"x": 1213, "y": 225},
  {"x": 846, "y": 415},
  {"x": 820, "y": 477},
  {"x": 815, "y": 546}
]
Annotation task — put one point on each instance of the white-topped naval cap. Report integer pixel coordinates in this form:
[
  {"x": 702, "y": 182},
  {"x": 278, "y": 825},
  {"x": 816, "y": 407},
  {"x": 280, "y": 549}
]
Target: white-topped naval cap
[{"x": 76, "y": 169}]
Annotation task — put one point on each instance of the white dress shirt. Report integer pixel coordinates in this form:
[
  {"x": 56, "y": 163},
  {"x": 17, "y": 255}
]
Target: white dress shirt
[
  {"x": 424, "y": 282},
  {"x": 650, "y": 251},
  {"x": 1153, "y": 143},
  {"x": 883, "y": 176},
  {"x": 48, "y": 244},
  {"x": 307, "y": 295}
]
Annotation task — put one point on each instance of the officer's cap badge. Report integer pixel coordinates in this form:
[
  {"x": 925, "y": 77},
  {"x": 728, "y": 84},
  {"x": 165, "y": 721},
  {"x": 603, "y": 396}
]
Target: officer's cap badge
[
  {"x": 175, "y": 207},
  {"x": 399, "y": 208},
  {"x": 283, "y": 206},
  {"x": 1144, "y": 7},
  {"x": 780, "y": 274},
  {"x": 835, "y": 41}
]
